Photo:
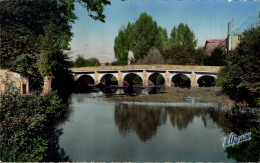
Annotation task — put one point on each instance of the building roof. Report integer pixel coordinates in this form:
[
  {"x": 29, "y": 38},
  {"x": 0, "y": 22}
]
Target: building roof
[
  {"x": 249, "y": 22},
  {"x": 210, "y": 45}
]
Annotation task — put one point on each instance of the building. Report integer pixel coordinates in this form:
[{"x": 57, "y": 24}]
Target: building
[
  {"x": 251, "y": 21},
  {"x": 21, "y": 80},
  {"x": 210, "y": 45}
]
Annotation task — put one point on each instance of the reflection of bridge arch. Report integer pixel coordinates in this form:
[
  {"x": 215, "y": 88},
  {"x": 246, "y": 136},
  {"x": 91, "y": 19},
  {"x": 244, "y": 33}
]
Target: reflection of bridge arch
[
  {"x": 206, "y": 81},
  {"x": 132, "y": 78},
  {"x": 181, "y": 80},
  {"x": 156, "y": 79},
  {"x": 85, "y": 80},
  {"x": 109, "y": 79}
]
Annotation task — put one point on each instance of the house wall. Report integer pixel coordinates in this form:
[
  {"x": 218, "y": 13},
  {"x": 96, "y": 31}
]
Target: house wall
[
  {"x": 17, "y": 78},
  {"x": 234, "y": 41}
]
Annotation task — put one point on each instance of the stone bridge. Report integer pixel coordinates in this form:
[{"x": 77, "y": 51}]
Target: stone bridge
[{"x": 147, "y": 74}]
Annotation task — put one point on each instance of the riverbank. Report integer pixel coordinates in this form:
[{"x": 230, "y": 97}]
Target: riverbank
[{"x": 210, "y": 95}]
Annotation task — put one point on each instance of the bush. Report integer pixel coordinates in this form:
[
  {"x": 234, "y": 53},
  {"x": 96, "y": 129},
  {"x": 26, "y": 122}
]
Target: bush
[{"x": 24, "y": 122}]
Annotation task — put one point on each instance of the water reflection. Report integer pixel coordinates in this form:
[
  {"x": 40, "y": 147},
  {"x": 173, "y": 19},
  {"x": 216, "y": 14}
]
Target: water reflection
[
  {"x": 144, "y": 121},
  {"x": 98, "y": 130}
]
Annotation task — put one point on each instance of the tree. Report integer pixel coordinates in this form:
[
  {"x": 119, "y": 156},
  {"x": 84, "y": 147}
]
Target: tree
[
  {"x": 178, "y": 55},
  {"x": 198, "y": 56},
  {"x": 82, "y": 62},
  {"x": 240, "y": 78},
  {"x": 161, "y": 40},
  {"x": 122, "y": 44},
  {"x": 217, "y": 58},
  {"x": 79, "y": 62},
  {"x": 39, "y": 29},
  {"x": 143, "y": 36},
  {"x": 92, "y": 62},
  {"x": 182, "y": 36},
  {"x": 153, "y": 57}
]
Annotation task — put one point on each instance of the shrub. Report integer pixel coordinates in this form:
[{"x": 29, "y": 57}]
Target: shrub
[{"x": 24, "y": 122}]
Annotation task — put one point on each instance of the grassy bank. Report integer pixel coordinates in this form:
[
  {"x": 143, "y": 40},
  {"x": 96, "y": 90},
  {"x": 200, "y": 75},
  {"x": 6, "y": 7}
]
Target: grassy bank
[{"x": 174, "y": 95}]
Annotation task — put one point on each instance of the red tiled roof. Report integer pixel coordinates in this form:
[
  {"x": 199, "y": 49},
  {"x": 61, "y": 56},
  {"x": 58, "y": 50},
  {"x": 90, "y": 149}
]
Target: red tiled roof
[{"x": 210, "y": 45}]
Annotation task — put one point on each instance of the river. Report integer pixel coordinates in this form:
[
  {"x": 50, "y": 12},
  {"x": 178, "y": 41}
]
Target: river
[{"x": 101, "y": 130}]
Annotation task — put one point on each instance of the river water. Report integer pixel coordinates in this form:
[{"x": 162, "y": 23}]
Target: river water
[{"x": 101, "y": 130}]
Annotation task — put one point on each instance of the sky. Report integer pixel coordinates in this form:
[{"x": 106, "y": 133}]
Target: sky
[{"x": 208, "y": 19}]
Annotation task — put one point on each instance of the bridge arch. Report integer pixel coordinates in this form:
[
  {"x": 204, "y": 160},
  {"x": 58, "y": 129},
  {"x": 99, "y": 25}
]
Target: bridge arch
[
  {"x": 109, "y": 79},
  {"x": 181, "y": 80},
  {"x": 132, "y": 78},
  {"x": 85, "y": 80},
  {"x": 156, "y": 79},
  {"x": 206, "y": 81}
]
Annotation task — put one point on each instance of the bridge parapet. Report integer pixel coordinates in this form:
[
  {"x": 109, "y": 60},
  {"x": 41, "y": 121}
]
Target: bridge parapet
[{"x": 151, "y": 67}]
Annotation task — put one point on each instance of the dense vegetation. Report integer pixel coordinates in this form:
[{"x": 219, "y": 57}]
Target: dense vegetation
[
  {"x": 82, "y": 62},
  {"x": 240, "y": 79},
  {"x": 27, "y": 123}
]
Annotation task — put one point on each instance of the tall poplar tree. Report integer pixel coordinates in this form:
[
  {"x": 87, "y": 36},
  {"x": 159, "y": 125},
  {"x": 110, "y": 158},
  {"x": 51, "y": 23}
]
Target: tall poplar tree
[
  {"x": 182, "y": 36},
  {"x": 143, "y": 36},
  {"x": 122, "y": 44}
]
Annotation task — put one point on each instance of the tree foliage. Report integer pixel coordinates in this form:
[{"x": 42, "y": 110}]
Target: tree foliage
[
  {"x": 153, "y": 57},
  {"x": 217, "y": 58},
  {"x": 82, "y": 62},
  {"x": 139, "y": 38},
  {"x": 143, "y": 36},
  {"x": 25, "y": 124},
  {"x": 39, "y": 29},
  {"x": 161, "y": 40},
  {"x": 122, "y": 44},
  {"x": 178, "y": 55},
  {"x": 182, "y": 36},
  {"x": 240, "y": 78}
]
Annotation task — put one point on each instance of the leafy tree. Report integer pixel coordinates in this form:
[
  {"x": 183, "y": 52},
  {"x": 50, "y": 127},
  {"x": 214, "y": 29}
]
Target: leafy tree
[
  {"x": 82, "y": 62},
  {"x": 40, "y": 29},
  {"x": 161, "y": 40},
  {"x": 143, "y": 36},
  {"x": 182, "y": 36},
  {"x": 122, "y": 44},
  {"x": 240, "y": 78},
  {"x": 178, "y": 55},
  {"x": 153, "y": 57},
  {"x": 217, "y": 58},
  {"x": 197, "y": 56},
  {"x": 92, "y": 62}
]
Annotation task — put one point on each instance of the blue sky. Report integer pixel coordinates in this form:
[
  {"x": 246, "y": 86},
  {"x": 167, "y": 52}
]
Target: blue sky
[{"x": 208, "y": 19}]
